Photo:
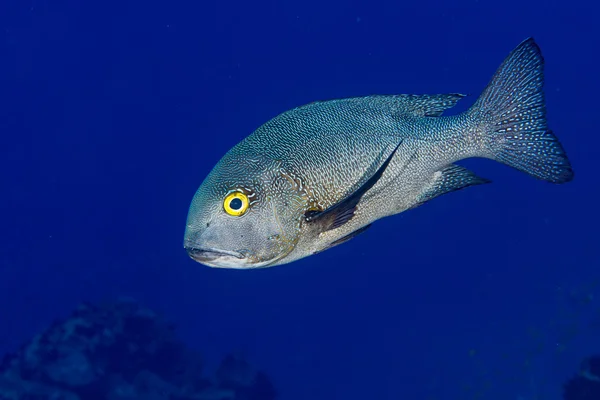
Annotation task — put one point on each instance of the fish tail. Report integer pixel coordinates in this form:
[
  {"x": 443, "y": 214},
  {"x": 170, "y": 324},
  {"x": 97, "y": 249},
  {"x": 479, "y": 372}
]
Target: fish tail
[{"x": 511, "y": 116}]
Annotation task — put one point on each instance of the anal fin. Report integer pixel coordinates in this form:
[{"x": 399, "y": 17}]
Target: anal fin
[{"x": 450, "y": 179}]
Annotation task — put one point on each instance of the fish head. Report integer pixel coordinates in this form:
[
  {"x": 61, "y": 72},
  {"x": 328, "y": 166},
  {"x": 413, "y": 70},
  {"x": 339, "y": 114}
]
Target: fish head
[{"x": 244, "y": 215}]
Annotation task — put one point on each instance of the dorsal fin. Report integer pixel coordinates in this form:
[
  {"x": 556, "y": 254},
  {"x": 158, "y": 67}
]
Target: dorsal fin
[{"x": 422, "y": 105}]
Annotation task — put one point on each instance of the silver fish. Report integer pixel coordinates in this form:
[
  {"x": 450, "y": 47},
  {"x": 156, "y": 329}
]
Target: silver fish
[{"x": 320, "y": 174}]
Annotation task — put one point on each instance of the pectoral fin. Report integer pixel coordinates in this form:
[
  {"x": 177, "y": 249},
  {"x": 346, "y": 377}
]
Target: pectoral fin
[{"x": 343, "y": 211}]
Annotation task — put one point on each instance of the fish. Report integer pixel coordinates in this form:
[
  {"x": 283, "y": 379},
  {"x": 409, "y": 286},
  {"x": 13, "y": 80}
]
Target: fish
[{"x": 318, "y": 175}]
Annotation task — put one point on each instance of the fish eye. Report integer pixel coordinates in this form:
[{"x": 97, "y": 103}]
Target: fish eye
[{"x": 236, "y": 204}]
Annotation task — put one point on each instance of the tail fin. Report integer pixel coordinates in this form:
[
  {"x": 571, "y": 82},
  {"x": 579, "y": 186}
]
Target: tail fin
[{"x": 513, "y": 112}]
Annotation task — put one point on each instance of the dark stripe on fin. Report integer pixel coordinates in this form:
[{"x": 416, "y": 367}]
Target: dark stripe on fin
[
  {"x": 513, "y": 107},
  {"x": 343, "y": 211},
  {"x": 450, "y": 179},
  {"x": 346, "y": 238}
]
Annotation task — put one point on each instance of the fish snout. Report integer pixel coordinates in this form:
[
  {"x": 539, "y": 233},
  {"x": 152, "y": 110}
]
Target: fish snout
[
  {"x": 215, "y": 257},
  {"x": 210, "y": 254},
  {"x": 225, "y": 246}
]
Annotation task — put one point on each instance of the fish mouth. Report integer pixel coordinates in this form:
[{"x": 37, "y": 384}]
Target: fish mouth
[{"x": 207, "y": 255}]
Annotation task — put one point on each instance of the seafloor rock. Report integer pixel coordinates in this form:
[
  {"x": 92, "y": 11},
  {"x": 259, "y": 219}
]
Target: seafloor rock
[
  {"x": 237, "y": 374},
  {"x": 121, "y": 351},
  {"x": 586, "y": 384}
]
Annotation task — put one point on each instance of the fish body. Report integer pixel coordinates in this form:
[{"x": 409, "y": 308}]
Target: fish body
[{"x": 318, "y": 175}]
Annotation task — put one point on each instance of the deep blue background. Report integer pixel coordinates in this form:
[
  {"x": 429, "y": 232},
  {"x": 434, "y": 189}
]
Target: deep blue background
[{"x": 112, "y": 113}]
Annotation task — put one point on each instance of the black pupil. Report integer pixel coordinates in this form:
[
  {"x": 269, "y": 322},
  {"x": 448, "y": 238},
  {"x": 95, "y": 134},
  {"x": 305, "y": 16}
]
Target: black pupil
[{"x": 235, "y": 204}]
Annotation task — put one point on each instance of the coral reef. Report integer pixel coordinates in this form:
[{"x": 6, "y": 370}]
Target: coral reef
[
  {"x": 586, "y": 384},
  {"x": 121, "y": 351}
]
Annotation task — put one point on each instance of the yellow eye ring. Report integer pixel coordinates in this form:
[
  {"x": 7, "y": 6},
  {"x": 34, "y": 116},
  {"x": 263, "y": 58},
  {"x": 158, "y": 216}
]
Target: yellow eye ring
[{"x": 236, "y": 204}]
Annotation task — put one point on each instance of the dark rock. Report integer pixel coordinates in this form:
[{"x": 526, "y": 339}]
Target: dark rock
[
  {"x": 586, "y": 384},
  {"x": 121, "y": 351}
]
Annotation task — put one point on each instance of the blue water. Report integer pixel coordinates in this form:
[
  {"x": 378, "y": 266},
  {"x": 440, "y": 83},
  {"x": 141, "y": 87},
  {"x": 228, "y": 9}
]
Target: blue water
[{"x": 113, "y": 112}]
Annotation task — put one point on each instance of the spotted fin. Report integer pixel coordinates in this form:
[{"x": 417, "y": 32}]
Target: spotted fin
[
  {"x": 514, "y": 108},
  {"x": 422, "y": 105},
  {"x": 452, "y": 178},
  {"x": 343, "y": 211}
]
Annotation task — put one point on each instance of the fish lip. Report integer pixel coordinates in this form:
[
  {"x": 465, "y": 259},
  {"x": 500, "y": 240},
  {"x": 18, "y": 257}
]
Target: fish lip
[{"x": 211, "y": 253}]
